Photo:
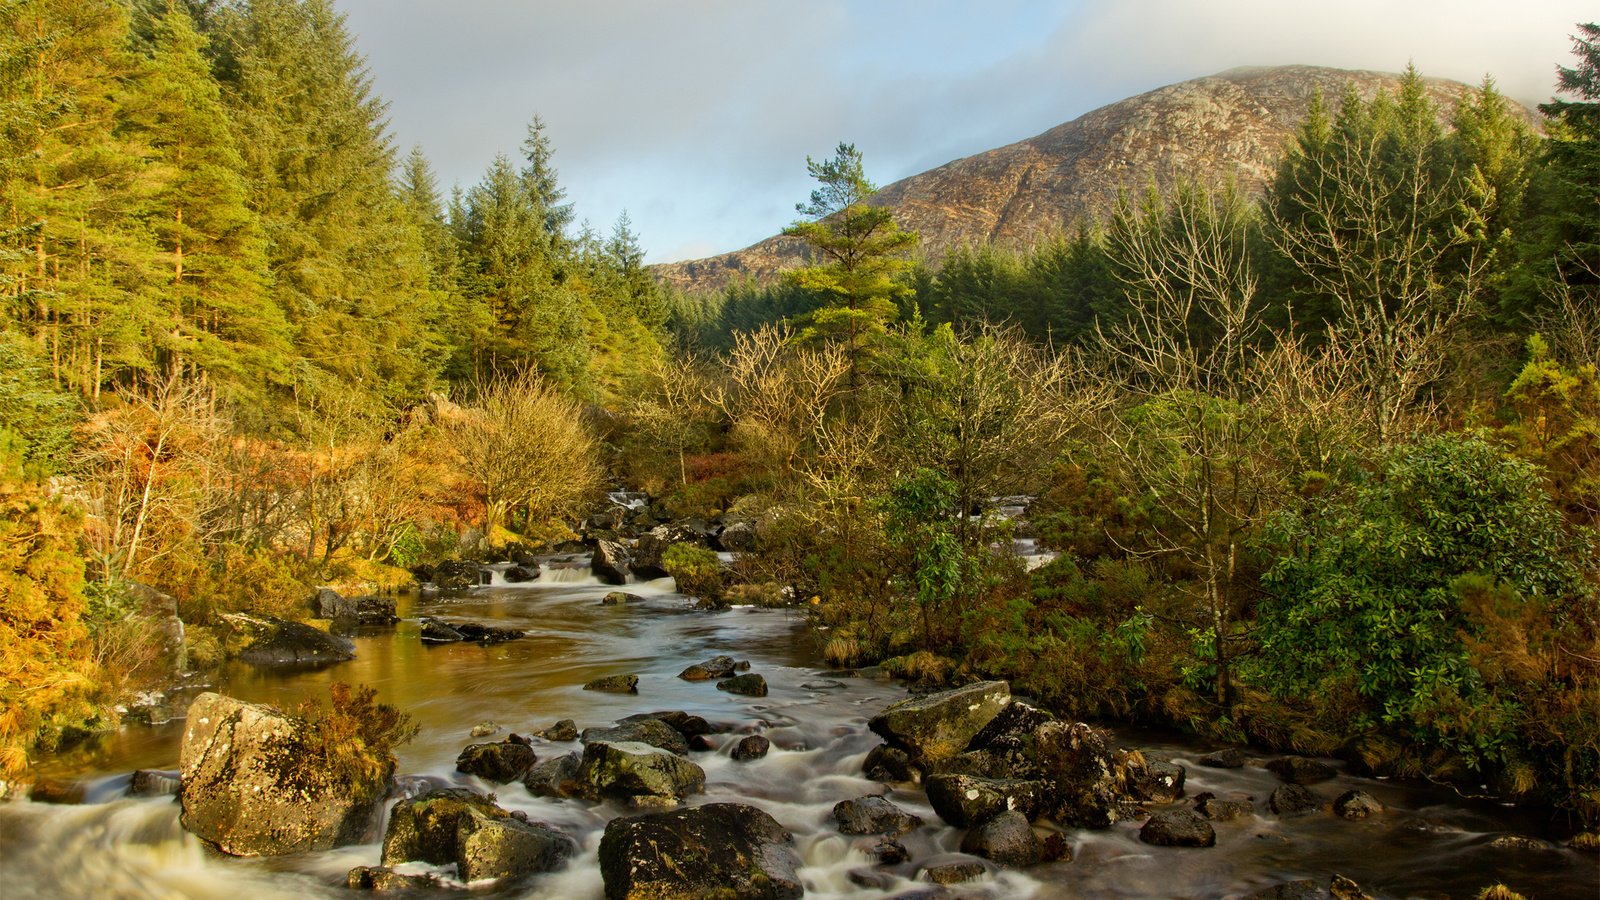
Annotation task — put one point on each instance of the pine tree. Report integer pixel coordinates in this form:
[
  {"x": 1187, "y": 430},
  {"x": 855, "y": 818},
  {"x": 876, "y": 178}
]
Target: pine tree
[
  {"x": 858, "y": 251},
  {"x": 539, "y": 179}
]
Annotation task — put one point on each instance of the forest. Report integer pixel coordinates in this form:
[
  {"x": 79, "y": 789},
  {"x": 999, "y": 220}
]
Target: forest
[{"x": 1322, "y": 467}]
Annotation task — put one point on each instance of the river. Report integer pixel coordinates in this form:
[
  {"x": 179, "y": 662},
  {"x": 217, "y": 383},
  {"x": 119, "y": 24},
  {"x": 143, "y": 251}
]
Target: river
[{"x": 1428, "y": 842}]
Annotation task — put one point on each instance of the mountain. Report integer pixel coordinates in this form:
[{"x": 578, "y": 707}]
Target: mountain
[{"x": 1229, "y": 126}]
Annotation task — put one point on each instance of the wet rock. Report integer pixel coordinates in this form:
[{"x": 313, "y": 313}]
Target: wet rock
[
  {"x": 684, "y": 723},
  {"x": 884, "y": 849},
  {"x": 1343, "y": 888},
  {"x": 824, "y": 685},
  {"x": 953, "y": 872},
  {"x": 1077, "y": 764},
  {"x": 701, "y": 744},
  {"x": 153, "y": 783},
  {"x": 503, "y": 762},
  {"x": 886, "y": 763},
  {"x": 966, "y": 800},
  {"x": 1299, "y": 770},
  {"x": 438, "y": 631},
  {"x": 725, "y": 850},
  {"x": 62, "y": 793},
  {"x": 754, "y": 746},
  {"x": 371, "y": 609},
  {"x": 274, "y": 642},
  {"x": 1055, "y": 848},
  {"x": 874, "y": 815},
  {"x": 1230, "y": 758},
  {"x": 492, "y": 846},
  {"x": 1518, "y": 842},
  {"x": 1006, "y": 838},
  {"x": 564, "y": 730},
  {"x": 871, "y": 879},
  {"x": 1303, "y": 889},
  {"x": 556, "y": 777},
  {"x": 620, "y": 598},
  {"x": 615, "y": 684},
  {"x": 715, "y": 667},
  {"x": 1293, "y": 800},
  {"x": 484, "y": 729},
  {"x": 610, "y": 562},
  {"x": 1355, "y": 805},
  {"x": 1178, "y": 828},
  {"x": 654, "y": 732},
  {"x": 468, "y": 829},
  {"x": 1585, "y": 842},
  {"x": 649, "y": 550},
  {"x": 1224, "y": 810},
  {"x": 938, "y": 726},
  {"x": 1010, "y": 731},
  {"x": 1152, "y": 781},
  {"x": 251, "y": 787},
  {"x": 456, "y": 575},
  {"x": 385, "y": 880},
  {"x": 633, "y": 769},
  {"x": 749, "y": 684},
  {"x": 521, "y": 574}
]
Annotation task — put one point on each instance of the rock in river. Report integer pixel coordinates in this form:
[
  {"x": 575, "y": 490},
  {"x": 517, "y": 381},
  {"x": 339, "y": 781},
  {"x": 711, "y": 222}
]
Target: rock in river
[
  {"x": 502, "y": 762},
  {"x": 874, "y": 815},
  {"x": 468, "y": 829},
  {"x": 637, "y": 770},
  {"x": 275, "y": 642},
  {"x": 610, "y": 562},
  {"x": 1178, "y": 828},
  {"x": 615, "y": 684},
  {"x": 654, "y": 732},
  {"x": 1005, "y": 838},
  {"x": 939, "y": 726},
  {"x": 253, "y": 785},
  {"x": 724, "y": 850},
  {"x": 749, "y": 684}
]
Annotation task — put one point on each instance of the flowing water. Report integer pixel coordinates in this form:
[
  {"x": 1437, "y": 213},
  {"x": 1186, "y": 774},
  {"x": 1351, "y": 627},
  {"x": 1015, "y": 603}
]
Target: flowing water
[{"x": 1427, "y": 844}]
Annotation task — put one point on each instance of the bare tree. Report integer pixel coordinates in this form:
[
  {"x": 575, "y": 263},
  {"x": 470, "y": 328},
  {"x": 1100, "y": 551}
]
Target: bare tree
[{"x": 526, "y": 448}]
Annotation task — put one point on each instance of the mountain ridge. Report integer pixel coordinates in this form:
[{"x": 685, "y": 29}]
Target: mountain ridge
[{"x": 1233, "y": 125}]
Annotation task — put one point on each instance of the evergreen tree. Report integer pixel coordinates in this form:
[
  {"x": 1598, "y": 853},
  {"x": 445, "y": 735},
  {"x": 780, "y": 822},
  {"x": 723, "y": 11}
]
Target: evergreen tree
[
  {"x": 858, "y": 251},
  {"x": 539, "y": 179}
]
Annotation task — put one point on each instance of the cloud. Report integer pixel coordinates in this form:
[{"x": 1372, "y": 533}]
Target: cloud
[{"x": 697, "y": 116}]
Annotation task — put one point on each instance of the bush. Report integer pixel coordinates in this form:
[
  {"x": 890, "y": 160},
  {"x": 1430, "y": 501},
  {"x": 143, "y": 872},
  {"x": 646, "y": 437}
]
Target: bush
[
  {"x": 353, "y": 739},
  {"x": 696, "y": 570}
]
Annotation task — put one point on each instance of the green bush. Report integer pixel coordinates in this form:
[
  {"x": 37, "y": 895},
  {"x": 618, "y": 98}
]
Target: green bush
[{"x": 696, "y": 570}]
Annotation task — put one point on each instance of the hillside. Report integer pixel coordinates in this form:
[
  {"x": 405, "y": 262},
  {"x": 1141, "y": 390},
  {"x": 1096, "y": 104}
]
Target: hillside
[{"x": 1232, "y": 125}]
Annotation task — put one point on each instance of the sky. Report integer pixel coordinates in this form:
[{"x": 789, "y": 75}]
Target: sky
[{"x": 697, "y": 116}]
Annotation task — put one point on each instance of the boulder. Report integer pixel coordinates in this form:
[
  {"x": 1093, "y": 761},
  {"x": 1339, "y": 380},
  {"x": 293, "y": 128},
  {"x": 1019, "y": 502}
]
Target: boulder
[
  {"x": 485, "y": 728},
  {"x": 1224, "y": 810},
  {"x": 966, "y": 800},
  {"x": 632, "y": 769},
  {"x": 1152, "y": 781},
  {"x": 1293, "y": 800},
  {"x": 253, "y": 783},
  {"x": 366, "y": 610},
  {"x": 1076, "y": 762},
  {"x": 874, "y": 815},
  {"x": 738, "y": 537},
  {"x": 494, "y": 847},
  {"x": 457, "y": 575},
  {"x": 1354, "y": 805},
  {"x": 615, "y": 684},
  {"x": 1010, "y": 731},
  {"x": 1519, "y": 842},
  {"x": 723, "y": 850},
  {"x": 1178, "y": 828},
  {"x": 654, "y": 732},
  {"x": 938, "y": 726},
  {"x": 387, "y": 881},
  {"x": 749, "y": 684},
  {"x": 884, "y": 849},
  {"x": 274, "y": 642},
  {"x": 1229, "y": 758},
  {"x": 886, "y": 763},
  {"x": 433, "y": 631},
  {"x": 153, "y": 783},
  {"x": 715, "y": 667},
  {"x": 953, "y": 871},
  {"x": 438, "y": 631},
  {"x": 648, "y": 551},
  {"x": 520, "y": 574},
  {"x": 503, "y": 762},
  {"x": 754, "y": 746},
  {"x": 620, "y": 598},
  {"x": 1303, "y": 889},
  {"x": 610, "y": 562},
  {"x": 468, "y": 829},
  {"x": 1299, "y": 770},
  {"x": 685, "y": 724},
  {"x": 1005, "y": 838},
  {"x": 564, "y": 730},
  {"x": 556, "y": 777}
]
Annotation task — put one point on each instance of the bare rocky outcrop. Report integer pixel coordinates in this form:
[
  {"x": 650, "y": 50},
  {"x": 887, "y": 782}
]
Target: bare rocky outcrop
[
  {"x": 725, "y": 850},
  {"x": 1233, "y": 126}
]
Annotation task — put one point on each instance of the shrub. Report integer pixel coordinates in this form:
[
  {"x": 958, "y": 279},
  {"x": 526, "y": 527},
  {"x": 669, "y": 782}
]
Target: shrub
[
  {"x": 696, "y": 570},
  {"x": 353, "y": 739}
]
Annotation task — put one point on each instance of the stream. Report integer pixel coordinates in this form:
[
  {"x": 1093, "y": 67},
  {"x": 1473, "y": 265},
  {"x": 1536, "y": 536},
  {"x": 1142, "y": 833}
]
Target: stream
[{"x": 1427, "y": 843}]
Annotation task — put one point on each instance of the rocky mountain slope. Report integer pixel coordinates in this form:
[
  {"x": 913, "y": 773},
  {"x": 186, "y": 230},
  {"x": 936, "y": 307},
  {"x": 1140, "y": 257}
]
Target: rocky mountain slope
[{"x": 1229, "y": 126}]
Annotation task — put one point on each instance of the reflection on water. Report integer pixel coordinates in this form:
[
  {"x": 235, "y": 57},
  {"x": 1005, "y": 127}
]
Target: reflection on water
[{"x": 1426, "y": 844}]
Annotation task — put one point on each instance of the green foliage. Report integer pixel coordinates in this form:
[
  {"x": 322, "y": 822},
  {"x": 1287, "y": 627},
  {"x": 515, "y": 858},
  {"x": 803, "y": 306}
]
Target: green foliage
[
  {"x": 36, "y": 417},
  {"x": 1364, "y": 608},
  {"x": 696, "y": 570},
  {"x": 1558, "y": 427}
]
